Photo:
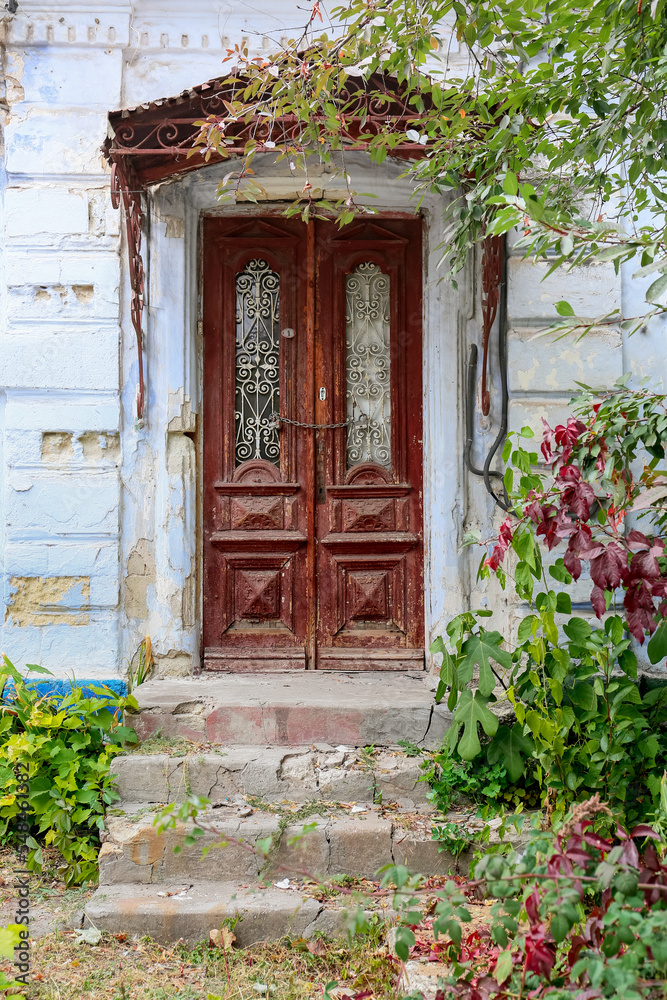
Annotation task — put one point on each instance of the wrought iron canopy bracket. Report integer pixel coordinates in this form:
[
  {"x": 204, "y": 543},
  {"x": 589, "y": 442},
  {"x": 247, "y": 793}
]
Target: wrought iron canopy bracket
[{"x": 126, "y": 189}]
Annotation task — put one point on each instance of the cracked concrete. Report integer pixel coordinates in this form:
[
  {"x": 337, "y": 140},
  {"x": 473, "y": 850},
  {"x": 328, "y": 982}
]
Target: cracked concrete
[
  {"x": 298, "y": 774},
  {"x": 337, "y": 843},
  {"x": 295, "y": 708},
  {"x": 183, "y": 912}
]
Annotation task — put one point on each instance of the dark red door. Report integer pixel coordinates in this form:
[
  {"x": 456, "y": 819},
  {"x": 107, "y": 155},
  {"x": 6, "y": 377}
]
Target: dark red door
[{"x": 313, "y": 552}]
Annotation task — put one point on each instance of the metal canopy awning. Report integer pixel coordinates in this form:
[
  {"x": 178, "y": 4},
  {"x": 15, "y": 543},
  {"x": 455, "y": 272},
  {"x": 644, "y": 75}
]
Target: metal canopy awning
[{"x": 153, "y": 140}]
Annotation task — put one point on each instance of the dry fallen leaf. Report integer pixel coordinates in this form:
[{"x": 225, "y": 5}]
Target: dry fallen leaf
[
  {"x": 317, "y": 948},
  {"x": 222, "y": 937}
]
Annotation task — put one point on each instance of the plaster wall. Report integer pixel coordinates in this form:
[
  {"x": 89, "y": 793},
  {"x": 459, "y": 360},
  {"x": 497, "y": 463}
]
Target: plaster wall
[{"x": 98, "y": 538}]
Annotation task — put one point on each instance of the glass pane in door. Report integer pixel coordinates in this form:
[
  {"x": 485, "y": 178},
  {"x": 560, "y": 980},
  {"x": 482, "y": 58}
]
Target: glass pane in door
[
  {"x": 257, "y": 363},
  {"x": 367, "y": 337}
]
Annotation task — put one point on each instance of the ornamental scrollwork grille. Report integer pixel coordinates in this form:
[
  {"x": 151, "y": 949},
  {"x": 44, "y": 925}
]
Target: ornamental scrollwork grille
[
  {"x": 257, "y": 363},
  {"x": 367, "y": 337}
]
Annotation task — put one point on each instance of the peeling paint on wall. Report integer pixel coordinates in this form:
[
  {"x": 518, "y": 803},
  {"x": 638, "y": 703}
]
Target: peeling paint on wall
[
  {"x": 100, "y": 447},
  {"x": 172, "y": 664},
  {"x": 60, "y": 447},
  {"x": 140, "y": 574},
  {"x": 53, "y": 600},
  {"x": 57, "y": 447}
]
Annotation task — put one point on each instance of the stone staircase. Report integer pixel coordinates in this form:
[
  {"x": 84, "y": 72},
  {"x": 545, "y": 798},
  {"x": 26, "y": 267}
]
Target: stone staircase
[{"x": 330, "y": 762}]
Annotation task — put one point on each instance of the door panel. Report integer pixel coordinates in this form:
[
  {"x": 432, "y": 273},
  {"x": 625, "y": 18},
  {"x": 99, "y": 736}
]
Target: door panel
[
  {"x": 369, "y": 516},
  {"x": 312, "y": 535},
  {"x": 257, "y": 477}
]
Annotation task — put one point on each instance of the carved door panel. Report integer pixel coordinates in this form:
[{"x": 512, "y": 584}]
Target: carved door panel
[
  {"x": 369, "y": 474},
  {"x": 312, "y": 536}
]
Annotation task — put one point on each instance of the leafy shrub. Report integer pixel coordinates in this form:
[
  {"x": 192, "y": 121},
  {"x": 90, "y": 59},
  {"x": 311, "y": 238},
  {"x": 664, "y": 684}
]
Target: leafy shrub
[
  {"x": 577, "y": 916},
  {"x": 601, "y": 467},
  {"x": 488, "y": 786},
  {"x": 67, "y": 744},
  {"x": 581, "y": 716}
]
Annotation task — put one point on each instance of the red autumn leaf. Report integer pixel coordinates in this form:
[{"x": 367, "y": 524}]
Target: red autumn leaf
[
  {"x": 570, "y": 474},
  {"x": 572, "y": 562},
  {"x": 578, "y": 499},
  {"x": 540, "y": 954},
  {"x": 577, "y": 943},
  {"x": 640, "y": 609},
  {"x": 645, "y": 563},
  {"x": 607, "y": 568},
  {"x": 569, "y": 433},
  {"x": 504, "y": 542},
  {"x": 598, "y": 601},
  {"x": 533, "y": 907},
  {"x": 547, "y": 438},
  {"x": 495, "y": 559},
  {"x": 643, "y": 830},
  {"x": 637, "y": 540}
]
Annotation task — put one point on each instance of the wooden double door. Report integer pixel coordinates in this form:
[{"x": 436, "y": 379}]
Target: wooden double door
[{"x": 313, "y": 542}]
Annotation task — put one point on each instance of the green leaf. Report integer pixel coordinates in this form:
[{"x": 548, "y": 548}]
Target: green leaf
[
  {"x": 510, "y": 744},
  {"x": 657, "y": 644},
  {"x": 583, "y": 695},
  {"x": 577, "y": 630},
  {"x": 263, "y": 845},
  {"x": 560, "y": 927},
  {"x": 8, "y": 668},
  {"x": 480, "y": 650},
  {"x": 9, "y": 938},
  {"x": 627, "y": 661},
  {"x": 657, "y": 288},
  {"x": 503, "y": 969},
  {"x": 564, "y": 604},
  {"x": 510, "y": 183},
  {"x": 558, "y": 572},
  {"x": 525, "y": 630},
  {"x": 470, "y": 711},
  {"x": 564, "y": 308},
  {"x": 405, "y": 940}
]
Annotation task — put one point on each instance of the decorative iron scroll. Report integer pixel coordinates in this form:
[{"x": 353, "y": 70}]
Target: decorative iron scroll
[
  {"x": 158, "y": 138},
  {"x": 492, "y": 267},
  {"x": 367, "y": 338},
  {"x": 257, "y": 363},
  {"x": 125, "y": 187}
]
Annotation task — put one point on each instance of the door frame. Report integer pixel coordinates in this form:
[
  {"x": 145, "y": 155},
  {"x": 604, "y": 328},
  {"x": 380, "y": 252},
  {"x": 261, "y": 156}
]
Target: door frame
[{"x": 166, "y": 450}]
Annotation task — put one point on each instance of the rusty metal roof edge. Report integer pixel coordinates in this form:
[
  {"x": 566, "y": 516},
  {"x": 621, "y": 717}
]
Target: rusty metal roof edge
[{"x": 215, "y": 83}]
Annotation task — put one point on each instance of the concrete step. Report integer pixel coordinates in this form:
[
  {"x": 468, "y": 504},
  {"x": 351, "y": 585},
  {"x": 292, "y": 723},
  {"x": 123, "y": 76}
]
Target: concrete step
[
  {"x": 298, "y": 774},
  {"x": 189, "y": 912},
  {"x": 354, "y": 841},
  {"x": 295, "y": 708}
]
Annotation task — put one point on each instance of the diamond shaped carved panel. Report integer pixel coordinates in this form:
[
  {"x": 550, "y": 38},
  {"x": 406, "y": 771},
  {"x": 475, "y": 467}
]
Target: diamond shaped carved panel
[
  {"x": 257, "y": 513},
  {"x": 368, "y": 595},
  {"x": 369, "y": 515},
  {"x": 257, "y": 593}
]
